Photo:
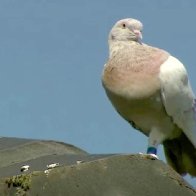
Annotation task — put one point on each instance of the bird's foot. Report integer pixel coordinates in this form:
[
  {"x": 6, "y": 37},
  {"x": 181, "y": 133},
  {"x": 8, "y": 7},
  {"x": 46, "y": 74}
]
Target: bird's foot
[
  {"x": 150, "y": 156},
  {"x": 153, "y": 156}
]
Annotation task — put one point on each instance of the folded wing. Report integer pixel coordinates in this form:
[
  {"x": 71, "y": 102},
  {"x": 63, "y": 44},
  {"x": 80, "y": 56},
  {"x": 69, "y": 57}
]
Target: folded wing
[{"x": 178, "y": 97}]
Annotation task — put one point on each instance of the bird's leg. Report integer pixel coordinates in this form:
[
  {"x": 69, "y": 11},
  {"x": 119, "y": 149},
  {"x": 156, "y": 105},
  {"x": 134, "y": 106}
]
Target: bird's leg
[
  {"x": 151, "y": 150},
  {"x": 155, "y": 138}
]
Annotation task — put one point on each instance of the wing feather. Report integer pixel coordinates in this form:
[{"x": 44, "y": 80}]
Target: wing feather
[{"x": 178, "y": 97}]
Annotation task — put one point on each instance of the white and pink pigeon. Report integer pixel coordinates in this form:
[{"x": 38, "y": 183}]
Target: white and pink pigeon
[{"x": 150, "y": 89}]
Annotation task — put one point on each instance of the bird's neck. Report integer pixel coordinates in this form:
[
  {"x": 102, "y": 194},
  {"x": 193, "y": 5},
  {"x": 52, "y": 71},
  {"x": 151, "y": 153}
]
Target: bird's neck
[{"x": 115, "y": 46}]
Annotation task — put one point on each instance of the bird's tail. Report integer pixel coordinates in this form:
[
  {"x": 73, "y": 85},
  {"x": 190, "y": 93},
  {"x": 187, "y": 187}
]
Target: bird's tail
[{"x": 181, "y": 155}]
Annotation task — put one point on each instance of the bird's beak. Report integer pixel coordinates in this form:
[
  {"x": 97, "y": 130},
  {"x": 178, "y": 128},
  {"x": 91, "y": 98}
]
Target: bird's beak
[{"x": 138, "y": 33}]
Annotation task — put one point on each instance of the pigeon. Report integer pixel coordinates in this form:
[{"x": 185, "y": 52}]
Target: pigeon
[{"x": 150, "y": 89}]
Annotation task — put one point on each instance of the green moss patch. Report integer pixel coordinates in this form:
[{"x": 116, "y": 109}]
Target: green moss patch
[{"x": 20, "y": 182}]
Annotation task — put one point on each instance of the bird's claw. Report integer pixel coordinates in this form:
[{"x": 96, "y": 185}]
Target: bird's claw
[{"x": 150, "y": 156}]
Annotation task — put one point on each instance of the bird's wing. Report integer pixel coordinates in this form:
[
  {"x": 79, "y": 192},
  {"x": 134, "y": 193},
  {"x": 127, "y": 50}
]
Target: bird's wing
[{"x": 178, "y": 97}]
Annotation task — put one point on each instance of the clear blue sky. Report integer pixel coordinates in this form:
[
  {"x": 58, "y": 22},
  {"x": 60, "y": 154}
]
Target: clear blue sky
[{"x": 51, "y": 57}]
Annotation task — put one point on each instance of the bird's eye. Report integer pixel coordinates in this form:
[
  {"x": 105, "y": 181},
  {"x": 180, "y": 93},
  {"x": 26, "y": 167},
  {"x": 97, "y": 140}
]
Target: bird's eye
[{"x": 123, "y": 25}]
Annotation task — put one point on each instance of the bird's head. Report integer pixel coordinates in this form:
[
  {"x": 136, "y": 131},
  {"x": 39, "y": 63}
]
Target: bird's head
[{"x": 128, "y": 29}]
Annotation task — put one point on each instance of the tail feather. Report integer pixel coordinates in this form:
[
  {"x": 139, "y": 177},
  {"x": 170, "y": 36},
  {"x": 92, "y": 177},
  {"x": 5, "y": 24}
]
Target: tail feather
[{"x": 181, "y": 155}]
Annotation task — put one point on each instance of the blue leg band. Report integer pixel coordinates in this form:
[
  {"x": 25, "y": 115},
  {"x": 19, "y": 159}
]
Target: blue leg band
[{"x": 151, "y": 150}]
